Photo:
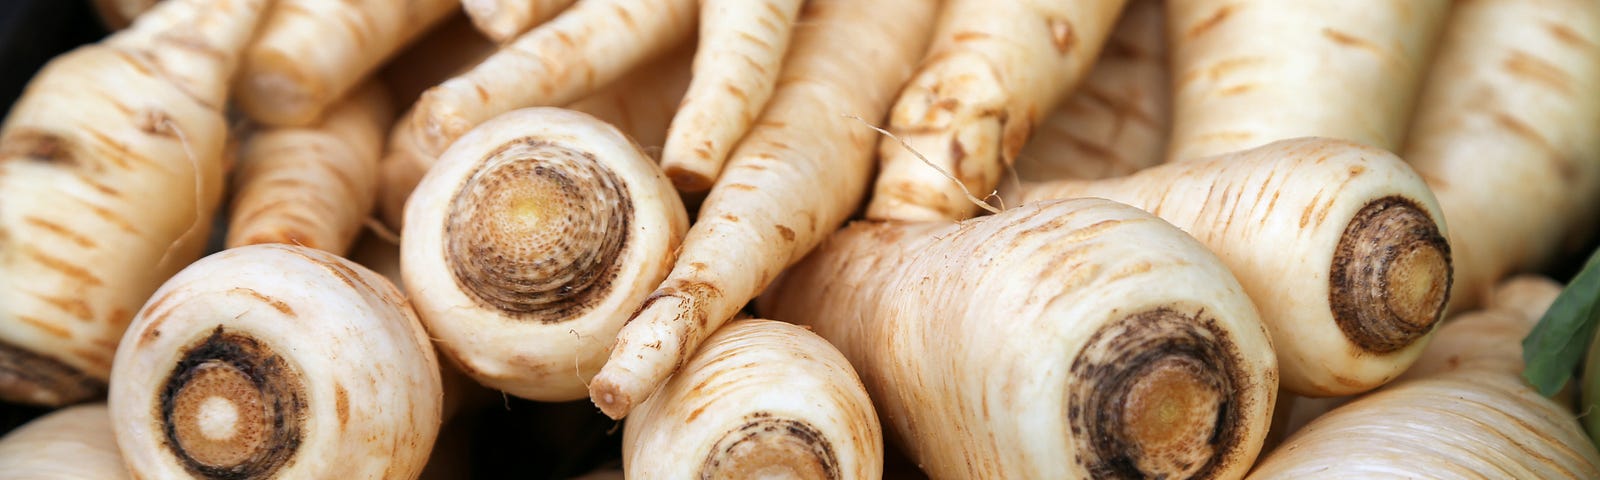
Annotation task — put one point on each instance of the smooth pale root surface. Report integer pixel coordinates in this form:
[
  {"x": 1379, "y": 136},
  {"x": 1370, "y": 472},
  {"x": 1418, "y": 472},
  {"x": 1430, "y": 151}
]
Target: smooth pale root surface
[
  {"x": 348, "y": 347},
  {"x": 1081, "y": 286},
  {"x": 561, "y": 335},
  {"x": 503, "y": 20},
  {"x": 1276, "y": 215},
  {"x": 110, "y": 169},
  {"x": 1502, "y": 134},
  {"x": 761, "y": 399},
  {"x": 1116, "y": 121},
  {"x": 71, "y": 444},
  {"x": 312, "y": 52},
  {"x": 793, "y": 180},
  {"x": 1248, "y": 73},
  {"x": 994, "y": 71}
]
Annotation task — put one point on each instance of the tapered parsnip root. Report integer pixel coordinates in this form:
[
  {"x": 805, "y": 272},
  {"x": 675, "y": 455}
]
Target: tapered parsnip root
[
  {"x": 72, "y": 443},
  {"x": 110, "y": 169},
  {"x": 117, "y": 14},
  {"x": 1340, "y": 245},
  {"x": 994, "y": 70},
  {"x": 313, "y": 186},
  {"x": 1061, "y": 339},
  {"x": 1467, "y": 414},
  {"x": 1117, "y": 121},
  {"x": 794, "y": 179},
  {"x": 276, "y": 361},
  {"x": 1503, "y": 135},
  {"x": 530, "y": 243},
  {"x": 736, "y": 67},
  {"x": 1248, "y": 73},
  {"x": 503, "y": 20},
  {"x": 761, "y": 399},
  {"x": 313, "y": 52}
]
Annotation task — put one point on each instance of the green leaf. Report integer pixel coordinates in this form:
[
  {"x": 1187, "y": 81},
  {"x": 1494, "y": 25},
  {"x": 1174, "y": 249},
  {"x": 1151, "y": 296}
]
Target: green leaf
[{"x": 1556, "y": 345}]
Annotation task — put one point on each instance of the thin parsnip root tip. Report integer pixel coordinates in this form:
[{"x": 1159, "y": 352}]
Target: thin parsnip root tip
[
  {"x": 29, "y": 377},
  {"x": 1391, "y": 275},
  {"x": 609, "y": 399}
]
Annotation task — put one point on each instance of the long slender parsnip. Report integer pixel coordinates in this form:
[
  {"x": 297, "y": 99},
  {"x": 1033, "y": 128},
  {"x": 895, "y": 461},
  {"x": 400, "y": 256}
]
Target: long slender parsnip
[
  {"x": 1340, "y": 245},
  {"x": 742, "y": 43},
  {"x": 503, "y": 20},
  {"x": 995, "y": 69},
  {"x": 1251, "y": 72},
  {"x": 111, "y": 166},
  {"x": 1504, "y": 136},
  {"x": 1061, "y": 339},
  {"x": 313, "y": 186},
  {"x": 72, "y": 443},
  {"x": 795, "y": 178},
  {"x": 313, "y": 52}
]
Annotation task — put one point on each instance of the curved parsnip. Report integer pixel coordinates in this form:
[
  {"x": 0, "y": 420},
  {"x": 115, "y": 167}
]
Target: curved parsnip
[
  {"x": 761, "y": 399},
  {"x": 1339, "y": 244},
  {"x": 276, "y": 361},
  {"x": 1117, "y": 121},
  {"x": 312, "y": 186},
  {"x": 793, "y": 180},
  {"x": 995, "y": 69},
  {"x": 1061, "y": 339},
  {"x": 70, "y": 444},
  {"x": 119, "y": 13},
  {"x": 529, "y": 244},
  {"x": 1251, "y": 72},
  {"x": 503, "y": 20},
  {"x": 110, "y": 170},
  {"x": 312, "y": 53},
  {"x": 1504, "y": 135}
]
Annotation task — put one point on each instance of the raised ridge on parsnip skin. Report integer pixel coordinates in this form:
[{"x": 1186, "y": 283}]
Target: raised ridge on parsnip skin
[
  {"x": 111, "y": 167},
  {"x": 1252, "y": 72},
  {"x": 795, "y": 178},
  {"x": 760, "y": 398},
  {"x": 71, "y": 443},
  {"x": 994, "y": 70},
  {"x": 1505, "y": 137},
  {"x": 276, "y": 361},
  {"x": 311, "y": 53},
  {"x": 531, "y": 242},
  {"x": 1117, "y": 120},
  {"x": 1341, "y": 246},
  {"x": 1059, "y": 339},
  {"x": 503, "y": 20}
]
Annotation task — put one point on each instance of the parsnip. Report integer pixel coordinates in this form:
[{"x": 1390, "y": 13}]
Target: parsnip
[
  {"x": 1060, "y": 339},
  {"x": 742, "y": 44},
  {"x": 70, "y": 444},
  {"x": 1251, "y": 72},
  {"x": 111, "y": 165},
  {"x": 117, "y": 14},
  {"x": 1489, "y": 340},
  {"x": 761, "y": 399},
  {"x": 1117, "y": 121},
  {"x": 795, "y": 178},
  {"x": 313, "y": 52},
  {"x": 313, "y": 186},
  {"x": 994, "y": 70},
  {"x": 1510, "y": 105},
  {"x": 276, "y": 361},
  {"x": 503, "y": 20},
  {"x": 1339, "y": 244},
  {"x": 529, "y": 244}
]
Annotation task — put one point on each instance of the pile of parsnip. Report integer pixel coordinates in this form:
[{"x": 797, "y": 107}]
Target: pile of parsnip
[{"x": 820, "y": 239}]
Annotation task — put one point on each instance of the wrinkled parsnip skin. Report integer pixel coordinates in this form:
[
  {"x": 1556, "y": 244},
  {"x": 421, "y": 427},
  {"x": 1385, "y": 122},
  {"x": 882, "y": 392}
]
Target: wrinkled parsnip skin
[
  {"x": 1251, "y": 72},
  {"x": 276, "y": 361},
  {"x": 1060, "y": 339},
  {"x": 313, "y": 186},
  {"x": 1117, "y": 121},
  {"x": 1463, "y": 411},
  {"x": 1340, "y": 245},
  {"x": 117, "y": 14},
  {"x": 1505, "y": 136},
  {"x": 761, "y": 399},
  {"x": 504, "y": 20},
  {"x": 995, "y": 69},
  {"x": 794, "y": 179},
  {"x": 74, "y": 443},
  {"x": 531, "y": 241},
  {"x": 111, "y": 166},
  {"x": 742, "y": 44},
  {"x": 311, "y": 53}
]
